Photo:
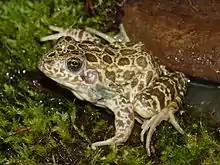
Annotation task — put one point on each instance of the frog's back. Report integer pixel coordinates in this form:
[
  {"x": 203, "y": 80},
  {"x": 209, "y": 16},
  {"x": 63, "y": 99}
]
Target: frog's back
[{"x": 122, "y": 63}]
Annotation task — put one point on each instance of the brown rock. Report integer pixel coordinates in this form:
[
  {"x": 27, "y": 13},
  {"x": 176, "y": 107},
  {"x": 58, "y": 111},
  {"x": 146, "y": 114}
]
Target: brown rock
[{"x": 185, "y": 35}]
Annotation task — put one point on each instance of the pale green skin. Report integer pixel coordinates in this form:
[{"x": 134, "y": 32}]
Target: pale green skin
[{"x": 123, "y": 77}]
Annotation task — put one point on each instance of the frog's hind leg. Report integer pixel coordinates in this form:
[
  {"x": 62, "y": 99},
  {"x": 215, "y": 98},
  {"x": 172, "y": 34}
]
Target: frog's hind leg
[
  {"x": 123, "y": 37},
  {"x": 75, "y": 33},
  {"x": 124, "y": 122},
  {"x": 82, "y": 35},
  {"x": 159, "y": 102},
  {"x": 165, "y": 114}
]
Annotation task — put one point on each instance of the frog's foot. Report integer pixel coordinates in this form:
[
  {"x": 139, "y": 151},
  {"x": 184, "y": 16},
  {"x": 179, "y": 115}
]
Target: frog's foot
[
  {"x": 100, "y": 34},
  {"x": 123, "y": 33},
  {"x": 77, "y": 34},
  {"x": 124, "y": 122},
  {"x": 165, "y": 114},
  {"x": 121, "y": 37}
]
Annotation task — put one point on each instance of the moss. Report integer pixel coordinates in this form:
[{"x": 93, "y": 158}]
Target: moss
[{"x": 39, "y": 127}]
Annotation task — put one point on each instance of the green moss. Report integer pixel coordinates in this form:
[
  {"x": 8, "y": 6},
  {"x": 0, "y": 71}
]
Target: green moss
[{"x": 38, "y": 127}]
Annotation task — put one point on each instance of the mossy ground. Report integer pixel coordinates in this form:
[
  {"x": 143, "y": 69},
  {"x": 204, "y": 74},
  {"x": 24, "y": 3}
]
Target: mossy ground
[{"x": 38, "y": 127}]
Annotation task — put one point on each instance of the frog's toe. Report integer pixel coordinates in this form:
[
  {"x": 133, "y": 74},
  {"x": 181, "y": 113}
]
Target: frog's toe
[
  {"x": 61, "y": 33},
  {"x": 173, "y": 121},
  {"x": 117, "y": 139},
  {"x": 56, "y": 29},
  {"x": 146, "y": 126},
  {"x": 151, "y": 125},
  {"x": 52, "y": 37}
]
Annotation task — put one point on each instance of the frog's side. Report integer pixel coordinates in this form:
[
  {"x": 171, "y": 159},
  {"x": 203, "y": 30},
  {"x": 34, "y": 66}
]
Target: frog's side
[{"x": 121, "y": 76}]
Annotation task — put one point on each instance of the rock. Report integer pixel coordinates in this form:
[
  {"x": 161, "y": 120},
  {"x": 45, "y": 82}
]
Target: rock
[{"x": 184, "y": 35}]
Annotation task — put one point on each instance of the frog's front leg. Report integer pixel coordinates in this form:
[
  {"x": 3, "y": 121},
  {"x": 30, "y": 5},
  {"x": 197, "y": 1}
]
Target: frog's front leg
[{"x": 124, "y": 122}]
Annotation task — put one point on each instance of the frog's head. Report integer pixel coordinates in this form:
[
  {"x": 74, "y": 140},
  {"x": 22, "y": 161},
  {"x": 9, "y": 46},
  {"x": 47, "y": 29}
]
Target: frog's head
[{"x": 66, "y": 63}]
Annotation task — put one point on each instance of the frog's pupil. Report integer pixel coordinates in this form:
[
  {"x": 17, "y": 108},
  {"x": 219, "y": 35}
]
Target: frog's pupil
[{"x": 74, "y": 64}]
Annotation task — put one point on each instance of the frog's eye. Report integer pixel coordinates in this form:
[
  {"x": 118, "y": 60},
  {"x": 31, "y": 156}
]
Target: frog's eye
[{"x": 74, "y": 64}]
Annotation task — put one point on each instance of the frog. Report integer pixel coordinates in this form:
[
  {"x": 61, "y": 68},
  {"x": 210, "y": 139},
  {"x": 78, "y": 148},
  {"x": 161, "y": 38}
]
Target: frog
[{"x": 124, "y": 77}]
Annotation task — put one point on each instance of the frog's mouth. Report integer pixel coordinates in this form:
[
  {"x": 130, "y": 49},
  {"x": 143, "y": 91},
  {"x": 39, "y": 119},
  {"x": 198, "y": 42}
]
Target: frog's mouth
[{"x": 81, "y": 90}]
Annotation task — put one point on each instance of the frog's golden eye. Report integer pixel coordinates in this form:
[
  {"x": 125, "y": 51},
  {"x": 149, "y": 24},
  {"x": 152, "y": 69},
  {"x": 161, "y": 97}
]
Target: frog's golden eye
[{"x": 74, "y": 64}]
